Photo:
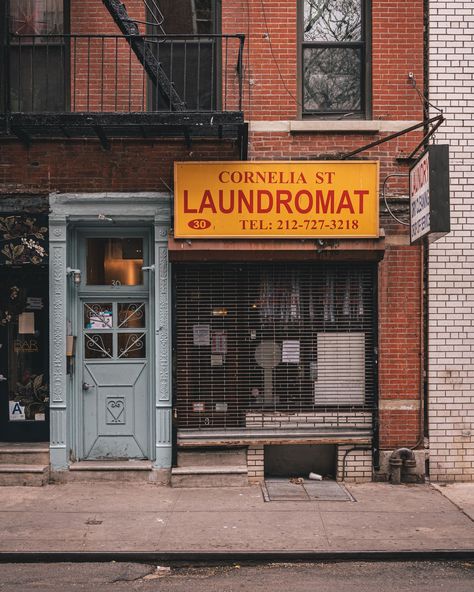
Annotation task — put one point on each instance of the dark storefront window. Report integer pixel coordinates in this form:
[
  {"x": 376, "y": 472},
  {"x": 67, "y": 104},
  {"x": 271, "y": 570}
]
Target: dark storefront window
[
  {"x": 24, "y": 342},
  {"x": 24, "y": 354},
  {"x": 272, "y": 338},
  {"x": 334, "y": 53}
]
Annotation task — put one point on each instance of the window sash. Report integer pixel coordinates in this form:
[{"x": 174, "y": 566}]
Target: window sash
[{"x": 360, "y": 45}]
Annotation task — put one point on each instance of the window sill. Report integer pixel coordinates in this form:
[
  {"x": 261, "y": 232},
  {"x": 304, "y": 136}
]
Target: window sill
[{"x": 353, "y": 126}]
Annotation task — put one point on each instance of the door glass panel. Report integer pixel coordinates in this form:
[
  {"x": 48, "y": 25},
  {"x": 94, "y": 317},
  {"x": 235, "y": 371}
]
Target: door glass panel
[
  {"x": 98, "y": 345},
  {"x": 98, "y": 315},
  {"x": 114, "y": 261},
  {"x": 131, "y": 345},
  {"x": 131, "y": 315}
]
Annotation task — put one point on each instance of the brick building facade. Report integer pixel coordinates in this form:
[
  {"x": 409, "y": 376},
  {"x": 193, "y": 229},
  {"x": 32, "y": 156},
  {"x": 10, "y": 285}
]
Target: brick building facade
[
  {"x": 94, "y": 165},
  {"x": 450, "y": 316}
]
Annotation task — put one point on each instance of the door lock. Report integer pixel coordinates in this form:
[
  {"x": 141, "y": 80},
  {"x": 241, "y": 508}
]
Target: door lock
[{"x": 86, "y": 386}]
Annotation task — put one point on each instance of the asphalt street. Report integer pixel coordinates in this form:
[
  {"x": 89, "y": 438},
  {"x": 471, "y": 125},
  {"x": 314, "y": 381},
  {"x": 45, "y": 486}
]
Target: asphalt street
[{"x": 305, "y": 577}]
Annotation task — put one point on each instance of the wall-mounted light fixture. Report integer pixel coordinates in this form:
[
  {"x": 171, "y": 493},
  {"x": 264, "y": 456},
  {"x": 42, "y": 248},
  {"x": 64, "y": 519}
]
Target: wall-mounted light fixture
[
  {"x": 75, "y": 273},
  {"x": 104, "y": 218}
]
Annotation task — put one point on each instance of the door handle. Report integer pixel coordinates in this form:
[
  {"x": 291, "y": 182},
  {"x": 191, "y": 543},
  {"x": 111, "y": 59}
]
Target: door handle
[
  {"x": 3, "y": 378},
  {"x": 86, "y": 386},
  {"x": 148, "y": 268}
]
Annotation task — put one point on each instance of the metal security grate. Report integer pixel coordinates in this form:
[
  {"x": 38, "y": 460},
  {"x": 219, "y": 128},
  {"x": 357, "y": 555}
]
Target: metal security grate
[
  {"x": 274, "y": 346},
  {"x": 284, "y": 490}
]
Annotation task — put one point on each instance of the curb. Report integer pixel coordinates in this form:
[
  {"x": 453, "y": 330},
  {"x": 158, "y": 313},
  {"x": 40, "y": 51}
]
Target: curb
[{"x": 226, "y": 557}]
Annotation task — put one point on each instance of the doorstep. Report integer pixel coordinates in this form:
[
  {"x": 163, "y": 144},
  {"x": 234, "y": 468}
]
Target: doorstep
[{"x": 111, "y": 470}]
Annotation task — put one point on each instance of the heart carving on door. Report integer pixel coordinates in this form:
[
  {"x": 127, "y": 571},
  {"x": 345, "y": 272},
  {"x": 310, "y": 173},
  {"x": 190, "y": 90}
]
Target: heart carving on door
[{"x": 115, "y": 411}]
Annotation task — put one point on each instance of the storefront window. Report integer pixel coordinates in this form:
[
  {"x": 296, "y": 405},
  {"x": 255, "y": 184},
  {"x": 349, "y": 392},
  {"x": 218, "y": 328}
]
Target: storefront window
[
  {"x": 272, "y": 338},
  {"x": 24, "y": 350}
]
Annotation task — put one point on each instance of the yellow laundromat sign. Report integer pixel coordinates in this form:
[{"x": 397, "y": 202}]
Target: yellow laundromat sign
[{"x": 274, "y": 199}]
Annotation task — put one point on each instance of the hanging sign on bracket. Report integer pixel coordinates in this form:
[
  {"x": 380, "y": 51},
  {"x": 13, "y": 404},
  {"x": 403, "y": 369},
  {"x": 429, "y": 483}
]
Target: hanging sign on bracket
[{"x": 429, "y": 195}]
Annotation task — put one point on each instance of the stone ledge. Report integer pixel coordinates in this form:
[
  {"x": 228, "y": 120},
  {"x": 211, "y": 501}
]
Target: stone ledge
[
  {"x": 354, "y": 126},
  {"x": 209, "y": 470}
]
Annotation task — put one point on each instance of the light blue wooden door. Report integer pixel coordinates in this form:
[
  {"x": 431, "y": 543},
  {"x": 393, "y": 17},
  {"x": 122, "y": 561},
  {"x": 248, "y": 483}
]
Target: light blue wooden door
[{"x": 114, "y": 379}]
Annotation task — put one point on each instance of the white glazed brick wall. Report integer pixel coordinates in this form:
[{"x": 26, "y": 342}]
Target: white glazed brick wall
[
  {"x": 451, "y": 260},
  {"x": 255, "y": 464},
  {"x": 358, "y": 465}
]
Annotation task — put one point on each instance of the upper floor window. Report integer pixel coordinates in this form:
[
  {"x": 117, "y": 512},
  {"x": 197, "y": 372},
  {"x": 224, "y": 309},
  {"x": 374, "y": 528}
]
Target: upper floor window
[
  {"x": 37, "y": 17},
  {"x": 188, "y": 57},
  {"x": 334, "y": 53},
  {"x": 38, "y": 55},
  {"x": 196, "y": 17}
]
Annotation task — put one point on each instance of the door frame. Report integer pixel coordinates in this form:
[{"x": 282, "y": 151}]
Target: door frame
[
  {"x": 97, "y": 293},
  {"x": 73, "y": 213}
]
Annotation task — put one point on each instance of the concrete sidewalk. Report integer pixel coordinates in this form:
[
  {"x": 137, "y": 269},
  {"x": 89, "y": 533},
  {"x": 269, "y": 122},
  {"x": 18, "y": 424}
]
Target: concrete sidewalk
[{"x": 124, "y": 517}]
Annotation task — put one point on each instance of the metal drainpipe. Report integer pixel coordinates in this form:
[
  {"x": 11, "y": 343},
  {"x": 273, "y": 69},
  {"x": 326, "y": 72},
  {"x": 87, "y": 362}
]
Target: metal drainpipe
[
  {"x": 423, "y": 350},
  {"x": 398, "y": 458}
]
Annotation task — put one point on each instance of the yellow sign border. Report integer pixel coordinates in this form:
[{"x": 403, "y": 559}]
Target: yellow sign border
[{"x": 281, "y": 236}]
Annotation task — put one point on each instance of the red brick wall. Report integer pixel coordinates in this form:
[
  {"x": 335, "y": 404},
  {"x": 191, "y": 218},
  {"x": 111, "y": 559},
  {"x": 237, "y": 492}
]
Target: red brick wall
[
  {"x": 78, "y": 165},
  {"x": 400, "y": 345},
  {"x": 270, "y": 59},
  {"x": 397, "y": 48},
  {"x": 271, "y": 93},
  {"x": 284, "y": 146},
  {"x": 105, "y": 73},
  {"x": 265, "y": 95}
]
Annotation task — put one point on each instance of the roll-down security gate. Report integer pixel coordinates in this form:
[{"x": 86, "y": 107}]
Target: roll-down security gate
[{"x": 280, "y": 347}]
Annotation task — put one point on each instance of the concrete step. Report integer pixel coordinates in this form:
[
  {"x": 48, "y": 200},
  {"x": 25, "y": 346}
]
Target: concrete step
[
  {"x": 210, "y": 476},
  {"x": 212, "y": 457},
  {"x": 92, "y": 470},
  {"x": 26, "y": 453},
  {"x": 22, "y": 474}
]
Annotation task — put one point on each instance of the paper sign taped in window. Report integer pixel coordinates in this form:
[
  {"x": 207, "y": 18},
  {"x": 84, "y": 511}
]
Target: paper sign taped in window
[
  {"x": 26, "y": 323},
  {"x": 291, "y": 352},
  {"x": 17, "y": 411},
  {"x": 219, "y": 342},
  {"x": 201, "y": 335}
]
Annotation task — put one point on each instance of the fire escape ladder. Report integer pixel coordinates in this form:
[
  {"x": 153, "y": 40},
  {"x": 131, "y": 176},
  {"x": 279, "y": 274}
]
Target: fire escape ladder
[{"x": 145, "y": 55}]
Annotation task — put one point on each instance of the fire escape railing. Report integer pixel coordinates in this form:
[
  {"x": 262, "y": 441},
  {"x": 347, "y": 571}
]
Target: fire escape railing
[{"x": 105, "y": 73}]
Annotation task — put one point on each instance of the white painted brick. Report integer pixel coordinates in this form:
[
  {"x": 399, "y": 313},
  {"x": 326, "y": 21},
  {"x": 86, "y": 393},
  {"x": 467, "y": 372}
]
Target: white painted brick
[{"x": 451, "y": 277}]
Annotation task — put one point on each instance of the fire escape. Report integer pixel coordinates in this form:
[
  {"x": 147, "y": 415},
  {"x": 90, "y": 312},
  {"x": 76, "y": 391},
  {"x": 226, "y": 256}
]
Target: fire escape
[{"x": 131, "y": 83}]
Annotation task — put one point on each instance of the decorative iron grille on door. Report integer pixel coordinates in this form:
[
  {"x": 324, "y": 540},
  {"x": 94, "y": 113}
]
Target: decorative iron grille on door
[{"x": 280, "y": 346}]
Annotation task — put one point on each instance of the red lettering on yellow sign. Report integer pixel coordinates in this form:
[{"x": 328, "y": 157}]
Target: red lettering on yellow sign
[{"x": 262, "y": 201}]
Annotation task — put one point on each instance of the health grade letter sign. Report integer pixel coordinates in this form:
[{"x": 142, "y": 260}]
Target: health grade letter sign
[{"x": 272, "y": 199}]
